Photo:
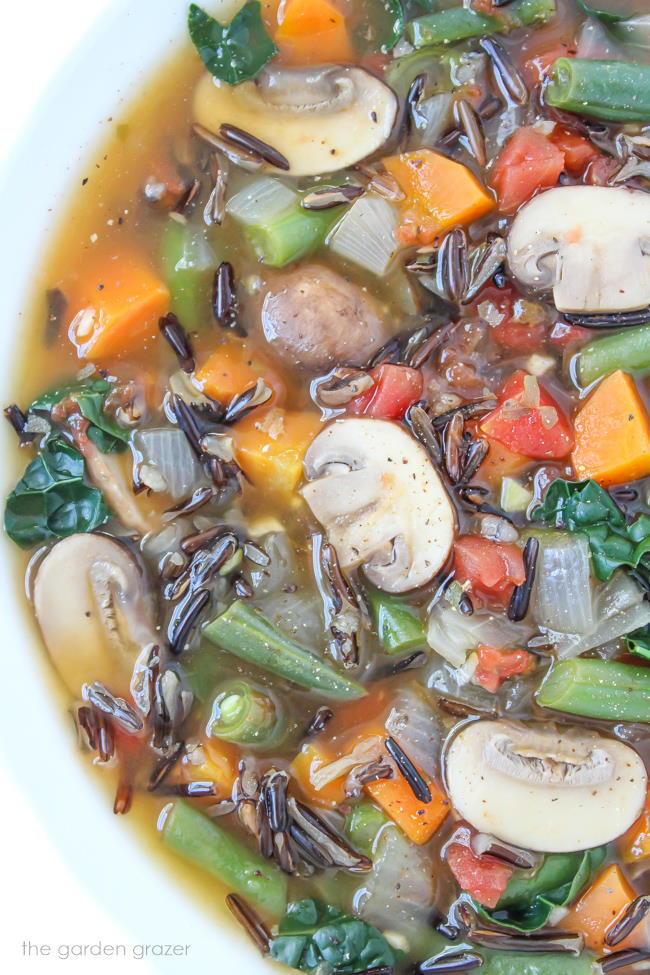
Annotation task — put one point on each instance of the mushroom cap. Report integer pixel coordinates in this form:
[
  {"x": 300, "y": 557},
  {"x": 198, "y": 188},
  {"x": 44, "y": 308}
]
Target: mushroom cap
[
  {"x": 94, "y": 610},
  {"x": 542, "y": 788},
  {"x": 383, "y": 504},
  {"x": 589, "y": 244},
  {"x": 321, "y": 119},
  {"x": 313, "y": 317}
]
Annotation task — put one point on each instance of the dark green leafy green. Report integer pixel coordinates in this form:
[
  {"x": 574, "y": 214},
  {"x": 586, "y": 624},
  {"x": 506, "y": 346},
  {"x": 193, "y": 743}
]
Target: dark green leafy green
[
  {"x": 532, "y": 895},
  {"x": 611, "y": 12},
  {"x": 639, "y": 642},
  {"x": 90, "y": 395},
  {"x": 236, "y": 51},
  {"x": 313, "y": 934},
  {"x": 51, "y": 499},
  {"x": 584, "y": 506},
  {"x": 395, "y": 23}
]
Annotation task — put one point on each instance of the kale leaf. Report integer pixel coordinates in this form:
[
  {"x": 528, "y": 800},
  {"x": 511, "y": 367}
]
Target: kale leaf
[
  {"x": 584, "y": 506},
  {"x": 90, "y": 396},
  {"x": 532, "y": 895},
  {"x": 51, "y": 499},
  {"x": 312, "y": 934},
  {"x": 234, "y": 52}
]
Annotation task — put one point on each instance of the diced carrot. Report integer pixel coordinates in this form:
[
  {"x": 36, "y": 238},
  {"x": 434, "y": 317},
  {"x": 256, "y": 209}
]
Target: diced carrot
[
  {"x": 220, "y": 766},
  {"x": 114, "y": 306},
  {"x": 612, "y": 432},
  {"x": 500, "y": 462},
  {"x": 635, "y": 844},
  {"x": 439, "y": 194},
  {"x": 309, "y": 759},
  {"x": 600, "y": 907},
  {"x": 270, "y": 445},
  {"x": 234, "y": 367},
  {"x": 495, "y": 666},
  {"x": 418, "y": 820},
  {"x": 312, "y": 32}
]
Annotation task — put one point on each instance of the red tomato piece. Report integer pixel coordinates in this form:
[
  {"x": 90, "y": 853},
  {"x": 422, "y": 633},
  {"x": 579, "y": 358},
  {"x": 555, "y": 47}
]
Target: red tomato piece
[
  {"x": 537, "y": 429},
  {"x": 563, "y": 335},
  {"x": 523, "y": 326},
  {"x": 492, "y": 568},
  {"x": 601, "y": 170},
  {"x": 395, "y": 389},
  {"x": 495, "y": 666},
  {"x": 578, "y": 151},
  {"x": 536, "y": 69},
  {"x": 483, "y": 877},
  {"x": 527, "y": 163}
]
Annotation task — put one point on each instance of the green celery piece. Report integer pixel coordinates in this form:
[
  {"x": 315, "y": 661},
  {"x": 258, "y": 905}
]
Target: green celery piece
[
  {"x": 235, "y": 52},
  {"x": 294, "y": 234},
  {"x": 594, "y": 688},
  {"x": 397, "y": 624},
  {"x": 203, "y": 842},
  {"x": 189, "y": 265},
  {"x": 628, "y": 350},
  {"x": 615, "y": 91},
  {"x": 249, "y": 636},
  {"x": 363, "y": 824}
]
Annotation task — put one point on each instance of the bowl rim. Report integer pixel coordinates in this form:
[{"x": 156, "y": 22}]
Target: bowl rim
[{"x": 112, "y": 59}]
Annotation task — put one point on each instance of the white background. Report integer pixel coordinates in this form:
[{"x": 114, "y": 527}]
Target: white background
[{"x": 40, "y": 901}]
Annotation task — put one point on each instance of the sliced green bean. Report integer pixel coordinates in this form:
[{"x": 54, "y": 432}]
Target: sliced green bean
[
  {"x": 246, "y": 715},
  {"x": 616, "y": 91},
  {"x": 202, "y": 841},
  {"x": 398, "y": 627},
  {"x": 247, "y": 634},
  {"x": 461, "y": 23},
  {"x": 560, "y": 963},
  {"x": 628, "y": 350},
  {"x": 602, "y": 689},
  {"x": 363, "y": 824}
]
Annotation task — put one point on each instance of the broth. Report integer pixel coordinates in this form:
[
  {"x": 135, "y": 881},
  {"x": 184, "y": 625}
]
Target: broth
[{"x": 485, "y": 401}]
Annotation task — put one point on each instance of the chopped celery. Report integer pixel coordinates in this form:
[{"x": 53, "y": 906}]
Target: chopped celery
[
  {"x": 189, "y": 264},
  {"x": 397, "y": 624},
  {"x": 193, "y": 836},
  {"x": 602, "y": 689},
  {"x": 247, "y": 634},
  {"x": 246, "y": 715},
  {"x": 363, "y": 824},
  {"x": 628, "y": 350},
  {"x": 514, "y": 496}
]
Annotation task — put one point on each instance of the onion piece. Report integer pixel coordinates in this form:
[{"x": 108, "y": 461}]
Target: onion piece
[
  {"x": 400, "y": 890},
  {"x": 562, "y": 595},
  {"x": 432, "y": 119},
  {"x": 261, "y": 202},
  {"x": 452, "y": 634},
  {"x": 365, "y": 234},
  {"x": 415, "y": 728},
  {"x": 166, "y": 453}
]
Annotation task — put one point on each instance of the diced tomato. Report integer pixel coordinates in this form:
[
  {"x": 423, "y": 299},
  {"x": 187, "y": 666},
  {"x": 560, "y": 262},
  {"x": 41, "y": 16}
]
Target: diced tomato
[
  {"x": 527, "y": 163},
  {"x": 523, "y": 325},
  {"x": 495, "y": 666},
  {"x": 536, "y": 69},
  {"x": 578, "y": 151},
  {"x": 492, "y": 568},
  {"x": 483, "y": 877},
  {"x": 395, "y": 389},
  {"x": 563, "y": 335},
  {"x": 528, "y": 420}
]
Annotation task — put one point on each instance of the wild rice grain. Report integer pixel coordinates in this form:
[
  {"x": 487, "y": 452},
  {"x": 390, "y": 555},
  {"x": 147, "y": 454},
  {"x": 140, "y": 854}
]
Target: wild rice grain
[
  {"x": 331, "y": 196},
  {"x": 123, "y": 798},
  {"x": 250, "y": 143},
  {"x": 418, "y": 786},
  {"x": 505, "y": 72},
  {"x": 224, "y": 298},
  {"x": 520, "y": 600},
  {"x": 184, "y": 620},
  {"x": 465, "y": 961},
  {"x": 319, "y": 722},
  {"x": 57, "y": 305},
  {"x": 18, "y": 420},
  {"x": 164, "y": 766},
  {"x": 249, "y": 920},
  {"x": 471, "y": 125},
  {"x": 179, "y": 341},
  {"x": 622, "y": 959},
  {"x": 634, "y": 914}
]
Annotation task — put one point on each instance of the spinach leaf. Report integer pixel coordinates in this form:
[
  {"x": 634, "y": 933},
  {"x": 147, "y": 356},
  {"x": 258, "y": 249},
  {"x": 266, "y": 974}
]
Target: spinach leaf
[
  {"x": 395, "y": 23},
  {"x": 532, "y": 895},
  {"x": 313, "y": 934},
  {"x": 90, "y": 395},
  {"x": 51, "y": 499},
  {"x": 233, "y": 52},
  {"x": 584, "y": 506},
  {"x": 609, "y": 12}
]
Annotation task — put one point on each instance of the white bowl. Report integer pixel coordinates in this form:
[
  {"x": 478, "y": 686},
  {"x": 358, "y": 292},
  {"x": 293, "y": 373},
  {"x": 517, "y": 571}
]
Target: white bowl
[{"x": 128, "y": 42}]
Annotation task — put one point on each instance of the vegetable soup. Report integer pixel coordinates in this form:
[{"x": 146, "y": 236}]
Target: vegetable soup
[{"x": 333, "y": 478}]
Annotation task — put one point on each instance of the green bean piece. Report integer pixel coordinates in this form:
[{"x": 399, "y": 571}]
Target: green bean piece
[
  {"x": 203, "y": 842},
  {"x": 246, "y": 715},
  {"x": 398, "y": 627},
  {"x": 247, "y": 634},
  {"x": 602, "y": 689},
  {"x": 189, "y": 264},
  {"x": 293, "y": 234},
  {"x": 363, "y": 825},
  {"x": 628, "y": 350},
  {"x": 461, "y": 23},
  {"x": 616, "y": 91},
  {"x": 560, "y": 963}
]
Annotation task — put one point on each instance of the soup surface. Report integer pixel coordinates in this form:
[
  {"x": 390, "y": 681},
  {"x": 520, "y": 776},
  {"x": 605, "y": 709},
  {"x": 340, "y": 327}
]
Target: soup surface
[{"x": 333, "y": 495}]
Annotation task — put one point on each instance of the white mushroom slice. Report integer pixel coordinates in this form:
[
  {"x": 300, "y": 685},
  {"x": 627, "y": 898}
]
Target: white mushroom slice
[
  {"x": 94, "y": 609},
  {"x": 321, "y": 119},
  {"x": 589, "y": 244},
  {"x": 542, "y": 788},
  {"x": 384, "y": 506}
]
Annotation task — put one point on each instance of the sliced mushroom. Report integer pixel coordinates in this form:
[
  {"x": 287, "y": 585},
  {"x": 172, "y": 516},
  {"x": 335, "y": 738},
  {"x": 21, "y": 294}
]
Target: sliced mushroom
[
  {"x": 314, "y": 318},
  {"x": 321, "y": 119},
  {"x": 95, "y": 611},
  {"x": 589, "y": 244},
  {"x": 384, "y": 506},
  {"x": 543, "y": 788}
]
